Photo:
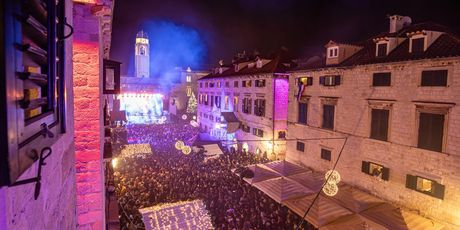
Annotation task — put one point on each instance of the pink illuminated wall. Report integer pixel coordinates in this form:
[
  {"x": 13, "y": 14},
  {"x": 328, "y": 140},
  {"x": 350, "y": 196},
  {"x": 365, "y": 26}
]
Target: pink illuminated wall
[
  {"x": 87, "y": 68},
  {"x": 281, "y": 94}
]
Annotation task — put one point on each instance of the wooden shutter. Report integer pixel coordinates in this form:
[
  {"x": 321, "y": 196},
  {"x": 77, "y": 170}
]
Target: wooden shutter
[
  {"x": 322, "y": 80},
  {"x": 337, "y": 80},
  {"x": 431, "y": 131},
  {"x": 411, "y": 182},
  {"x": 439, "y": 190},
  {"x": 309, "y": 80},
  {"x": 365, "y": 167},
  {"x": 385, "y": 173},
  {"x": 434, "y": 78}
]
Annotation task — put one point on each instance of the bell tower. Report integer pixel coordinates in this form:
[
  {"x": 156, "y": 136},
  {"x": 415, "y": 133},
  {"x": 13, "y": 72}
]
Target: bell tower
[{"x": 142, "y": 55}]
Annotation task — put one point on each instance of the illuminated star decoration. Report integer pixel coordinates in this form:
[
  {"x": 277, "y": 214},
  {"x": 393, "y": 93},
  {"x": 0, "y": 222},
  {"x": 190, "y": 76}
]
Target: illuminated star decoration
[
  {"x": 184, "y": 117},
  {"x": 331, "y": 188},
  {"x": 179, "y": 145},
  {"x": 193, "y": 123}
]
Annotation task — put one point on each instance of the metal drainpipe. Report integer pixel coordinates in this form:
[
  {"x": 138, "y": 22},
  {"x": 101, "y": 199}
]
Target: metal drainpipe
[{"x": 273, "y": 115}]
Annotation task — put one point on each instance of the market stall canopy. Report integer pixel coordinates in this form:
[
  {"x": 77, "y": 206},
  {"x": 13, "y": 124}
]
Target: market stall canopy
[
  {"x": 310, "y": 179},
  {"x": 260, "y": 174},
  {"x": 399, "y": 219},
  {"x": 355, "y": 199},
  {"x": 285, "y": 168},
  {"x": 353, "y": 222},
  {"x": 233, "y": 124},
  {"x": 323, "y": 211},
  {"x": 281, "y": 189}
]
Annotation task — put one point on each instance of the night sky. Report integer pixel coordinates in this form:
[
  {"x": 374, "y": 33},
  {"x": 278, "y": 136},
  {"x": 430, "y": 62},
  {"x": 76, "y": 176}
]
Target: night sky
[{"x": 204, "y": 32}]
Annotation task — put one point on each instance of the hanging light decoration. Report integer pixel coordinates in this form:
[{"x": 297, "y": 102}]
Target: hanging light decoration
[
  {"x": 194, "y": 117},
  {"x": 193, "y": 123},
  {"x": 330, "y": 189},
  {"x": 179, "y": 145},
  {"x": 184, "y": 117},
  {"x": 186, "y": 150},
  {"x": 333, "y": 175}
]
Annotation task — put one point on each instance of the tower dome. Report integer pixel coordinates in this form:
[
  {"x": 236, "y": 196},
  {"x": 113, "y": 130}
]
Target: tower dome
[{"x": 141, "y": 34}]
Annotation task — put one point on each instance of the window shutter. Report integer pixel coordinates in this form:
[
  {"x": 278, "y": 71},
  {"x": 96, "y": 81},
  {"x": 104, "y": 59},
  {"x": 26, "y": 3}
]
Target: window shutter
[
  {"x": 337, "y": 80},
  {"x": 385, "y": 174},
  {"x": 310, "y": 81},
  {"x": 439, "y": 190},
  {"x": 322, "y": 80},
  {"x": 365, "y": 167},
  {"x": 411, "y": 182}
]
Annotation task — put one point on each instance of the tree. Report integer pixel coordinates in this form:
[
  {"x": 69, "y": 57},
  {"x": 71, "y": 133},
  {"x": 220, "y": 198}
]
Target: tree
[{"x": 192, "y": 104}]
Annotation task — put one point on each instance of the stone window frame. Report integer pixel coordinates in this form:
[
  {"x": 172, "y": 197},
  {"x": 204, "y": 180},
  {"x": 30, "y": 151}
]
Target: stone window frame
[
  {"x": 333, "y": 52},
  {"x": 436, "y": 181},
  {"x": 434, "y": 108},
  {"x": 377, "y": 44},
  {"x": 380, "y": 104},
  {"x": 331, "y": 150}
]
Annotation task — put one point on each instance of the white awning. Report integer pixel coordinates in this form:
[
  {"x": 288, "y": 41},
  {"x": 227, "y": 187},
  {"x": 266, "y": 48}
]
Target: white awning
[{"x": 212, "y": 150}]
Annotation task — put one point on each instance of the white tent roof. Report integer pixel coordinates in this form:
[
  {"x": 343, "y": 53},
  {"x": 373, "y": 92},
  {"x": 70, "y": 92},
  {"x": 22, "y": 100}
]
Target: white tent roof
[{"x": 212, "y": 149}]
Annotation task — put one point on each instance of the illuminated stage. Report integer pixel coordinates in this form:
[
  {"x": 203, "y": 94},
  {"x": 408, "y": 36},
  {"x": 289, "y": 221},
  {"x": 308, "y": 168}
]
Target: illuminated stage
[{"x": 142, "y": 108}]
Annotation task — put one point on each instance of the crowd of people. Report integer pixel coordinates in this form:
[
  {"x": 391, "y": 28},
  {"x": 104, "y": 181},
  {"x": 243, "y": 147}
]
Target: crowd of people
[{"x": 167, "y": 175}]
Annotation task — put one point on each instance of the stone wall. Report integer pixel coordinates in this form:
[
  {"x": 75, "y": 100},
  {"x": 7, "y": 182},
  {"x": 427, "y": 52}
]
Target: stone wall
[
  {"x": 55, "y": 206},
  {"x": 87, "y": 57},
  {"x": 399, "y": 153}
]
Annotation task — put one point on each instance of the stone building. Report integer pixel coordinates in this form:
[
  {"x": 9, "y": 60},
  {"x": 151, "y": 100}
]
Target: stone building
[
  {"x": 251, "y": 93},
  {"x": 181, "y": 93},
  {"x": 72, "y": 192},
  {"x": 391, "y": 103}
]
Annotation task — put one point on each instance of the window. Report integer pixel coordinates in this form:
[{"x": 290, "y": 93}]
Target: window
[
  {"x": 329, "y": 80},
  {"x": 259, "y": 107},
  {"x": 201, "y": 84},
  {"x": 246, "y": 83},
  {"x": 379, "y": 124},
  {"x": 206, "y": 101},
  {"x": 260, "y": 83},
  {"x": 142, "y": 50},
  {"x": 32, "y": 85},
  {"x": 235, "y": 84},
  {"x": 303, "y": 111},
  {"x": 328, "y": 117},
  {"x": 212, "y": 101},
  {"x": 257, "y": 132},
  {"x": 381, "y": 79},
  {"x": 189, "y": 91},
  {"x": 300, "y": 146},
  {"x": 307, "y": 81},
  {"x": 245, "y": 128},
  {"x": 188, "y": 78},
  {"x": 218, "y": 101},
  {"x": 382, "y": 49},
  {"x": 425, "y": 186},
  {"x": 333, "y": 52},
  {"x": 247, "y": 104},
  {"x": 226, "y": 102},
  {"x": 418, "y": 45},
  {"x": 434, "y": 78},
  {"x": 227, "y": 84},
  {"x": 376, "y": 170},
  {"x": 326, "y": 154},
  {"x": 235, "y": 103},
  {"x": 211, "y": 84},
  {"x": 431, "y": 131},
  {"x": 218, "y": 84},
  {"x": 206, "y": 85},
  {"x": 281, "y": 134}
]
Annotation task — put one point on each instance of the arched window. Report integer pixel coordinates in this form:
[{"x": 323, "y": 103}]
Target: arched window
[{"x": 142, "y": 50}]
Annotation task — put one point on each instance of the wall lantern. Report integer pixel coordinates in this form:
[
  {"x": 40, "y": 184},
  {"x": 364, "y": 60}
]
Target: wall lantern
[{"x": 111, "y": 77}]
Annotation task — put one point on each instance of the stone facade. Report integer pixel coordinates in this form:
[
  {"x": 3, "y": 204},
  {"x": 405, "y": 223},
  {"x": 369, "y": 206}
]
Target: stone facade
[
  {"x": 55, "y": 206},
  {"x": 232, "y": 93},
  {"x": 180, "y": 93},
  {"x": 354, "y": 99},
  {"x": 89, "y": 50}
]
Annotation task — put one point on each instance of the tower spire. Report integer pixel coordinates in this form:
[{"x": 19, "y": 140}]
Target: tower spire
[{"x": 142, "y": 55}]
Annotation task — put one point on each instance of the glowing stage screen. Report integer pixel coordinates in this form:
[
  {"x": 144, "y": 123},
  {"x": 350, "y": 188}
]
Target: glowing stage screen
[{"x": 142, "y": 108}]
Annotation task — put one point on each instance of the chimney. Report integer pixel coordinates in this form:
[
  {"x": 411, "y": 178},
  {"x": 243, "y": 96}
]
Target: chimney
[{"x": 397, "y": 22}]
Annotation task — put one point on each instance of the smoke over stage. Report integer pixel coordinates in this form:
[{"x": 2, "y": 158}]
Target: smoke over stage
[{"x": 142, "y": 108}]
